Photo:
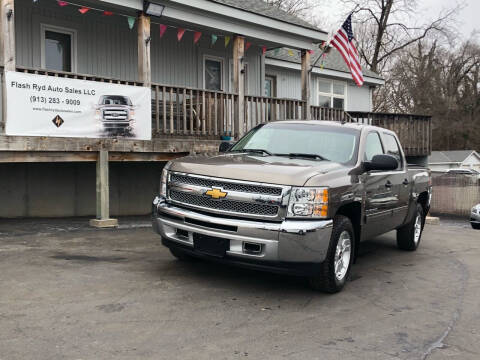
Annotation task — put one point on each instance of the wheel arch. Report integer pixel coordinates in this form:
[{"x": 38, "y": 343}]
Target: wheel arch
[{"x": 353, "y": 211}]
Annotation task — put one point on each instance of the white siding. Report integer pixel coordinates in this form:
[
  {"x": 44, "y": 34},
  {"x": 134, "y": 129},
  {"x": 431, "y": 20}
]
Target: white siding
[
  {"x": 107, "y": 47},
  {"x": 358, "y": 98}
]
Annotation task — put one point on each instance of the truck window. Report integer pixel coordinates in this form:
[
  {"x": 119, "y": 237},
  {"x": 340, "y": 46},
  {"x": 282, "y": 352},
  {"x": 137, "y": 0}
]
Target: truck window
[
  {"x": 373, "y": 146},
  {"x": 392, "y": 148}
]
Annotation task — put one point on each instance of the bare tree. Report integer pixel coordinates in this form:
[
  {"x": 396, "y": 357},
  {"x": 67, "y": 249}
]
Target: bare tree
[
  {"x": 384, "y": 27},
  {"x": 295, "y": 7}
]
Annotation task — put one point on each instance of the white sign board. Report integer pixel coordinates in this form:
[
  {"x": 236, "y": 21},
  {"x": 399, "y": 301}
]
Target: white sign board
[{"x": 39, "y": 105}]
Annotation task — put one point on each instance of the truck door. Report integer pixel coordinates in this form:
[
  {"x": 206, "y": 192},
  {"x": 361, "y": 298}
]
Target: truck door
[
  {"x": 379, "y": 197},
  {"x": 398, "y": 179}
]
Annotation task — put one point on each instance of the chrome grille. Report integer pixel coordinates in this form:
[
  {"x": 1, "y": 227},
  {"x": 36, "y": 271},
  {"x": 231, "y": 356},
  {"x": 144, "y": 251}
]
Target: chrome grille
[
  {"x": 224, "y": 205},
  {"x": 115, "y": 115},
  {"x": 227, "y": 186}
]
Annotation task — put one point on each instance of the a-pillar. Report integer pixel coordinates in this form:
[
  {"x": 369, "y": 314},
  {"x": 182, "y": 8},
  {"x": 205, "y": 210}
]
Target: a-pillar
[
  {"x": 103, "y": 194},
  {"x": 239, "y": 84},
  {"x": 305, "y": 83}
]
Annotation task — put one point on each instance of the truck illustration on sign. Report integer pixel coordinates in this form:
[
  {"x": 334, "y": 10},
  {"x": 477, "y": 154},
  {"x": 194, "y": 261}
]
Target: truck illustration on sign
[{"x": 116, "y": 113}]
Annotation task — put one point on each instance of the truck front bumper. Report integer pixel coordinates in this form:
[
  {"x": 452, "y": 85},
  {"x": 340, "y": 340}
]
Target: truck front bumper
[{"x": 291, "y": 246}]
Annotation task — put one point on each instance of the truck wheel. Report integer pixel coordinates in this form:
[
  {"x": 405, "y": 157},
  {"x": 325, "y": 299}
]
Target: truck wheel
[
  {"x": 335, "y": 270},
  {"x": 409, "y": 235},
  {"x": 180, "y": 255}
]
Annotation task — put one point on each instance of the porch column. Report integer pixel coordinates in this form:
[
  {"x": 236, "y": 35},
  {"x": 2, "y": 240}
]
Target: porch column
[
  {"x": 239, "y": 84},
  {"x": 103, "y": 194},
  {"x": 306, "y": 84},
  {"x": 144, "y": 40},
  {"x": 7, "y": 48}
]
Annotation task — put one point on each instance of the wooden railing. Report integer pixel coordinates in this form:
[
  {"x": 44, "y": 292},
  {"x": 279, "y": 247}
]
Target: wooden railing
[
  {"x": 261, "y": 109},
  {"x": 187, "y": 111},
  {"x": 414, "y": 131},
  {"x": 323, "y": 113}
]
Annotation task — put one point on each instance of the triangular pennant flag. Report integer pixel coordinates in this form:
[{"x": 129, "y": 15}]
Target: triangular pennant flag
[
  {"x": 131, "y": 22},
  {"x": 290, "y": 52},
  {"x": 247, "y": 45},
  {"x": 83, "y": 10},
  {"x": 163, "y": 28},
  {"x": 180, "y": 33},
  {"x": 227, "y": 40},
  {"x": 214, "y": 39},
  {"x": 264, "y": 50},
  {"x": 276, "y": 51},
  {"x": 62, "y": 3},
  {"x": 107, "y": 13},
  {"x": 196, "y": 36}
]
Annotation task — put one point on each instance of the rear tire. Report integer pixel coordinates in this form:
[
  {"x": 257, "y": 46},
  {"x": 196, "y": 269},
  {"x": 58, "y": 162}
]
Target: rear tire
[
  {"x": 475, "y": 226},
  {"x": 335, "y": 270},
  {"x": 409, "y": 235},
  {"x": 180, "y": 255}
]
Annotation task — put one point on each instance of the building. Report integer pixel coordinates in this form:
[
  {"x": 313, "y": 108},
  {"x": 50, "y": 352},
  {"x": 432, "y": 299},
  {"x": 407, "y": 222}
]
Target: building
[
  {"x": 201, "y": 65},
  {"x": 443, "y": 161}
]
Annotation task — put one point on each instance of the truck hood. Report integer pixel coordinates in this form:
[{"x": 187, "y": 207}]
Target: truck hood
[{"x": 268, "y": 169}]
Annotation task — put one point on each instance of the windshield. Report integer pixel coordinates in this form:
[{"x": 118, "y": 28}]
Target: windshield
[
  {"x": 115, "y": 100},
  {"x": 332, "y": 143}
]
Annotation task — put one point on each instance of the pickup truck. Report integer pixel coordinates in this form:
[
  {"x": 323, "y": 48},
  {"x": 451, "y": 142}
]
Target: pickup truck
[
  {"x": 293, "y": 196},
  {"x": 116, "y": 113}
]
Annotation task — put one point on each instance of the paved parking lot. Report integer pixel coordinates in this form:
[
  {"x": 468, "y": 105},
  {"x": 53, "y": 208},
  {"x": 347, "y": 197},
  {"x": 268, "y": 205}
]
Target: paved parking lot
[{"x": 70, "y": 292}]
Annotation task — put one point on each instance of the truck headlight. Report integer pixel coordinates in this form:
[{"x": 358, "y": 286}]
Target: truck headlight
[
  {"x": 308, "y": 202},
  {"x": 163, "y": 182}
]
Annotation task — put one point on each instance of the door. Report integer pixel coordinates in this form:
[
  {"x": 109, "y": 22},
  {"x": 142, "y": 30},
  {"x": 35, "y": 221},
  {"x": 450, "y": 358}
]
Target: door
[
  {"x": 379, "y": 193},
  {"x": 399, "y": 180}
]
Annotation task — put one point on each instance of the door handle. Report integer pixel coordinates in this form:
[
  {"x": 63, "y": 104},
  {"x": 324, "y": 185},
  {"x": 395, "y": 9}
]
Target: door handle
[
  {"x": 388, "y": 184},
  {"x": 405, "y": 182}
]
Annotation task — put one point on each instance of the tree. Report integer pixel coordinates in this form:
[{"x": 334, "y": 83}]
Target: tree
[{"x": 384, "y": 27}]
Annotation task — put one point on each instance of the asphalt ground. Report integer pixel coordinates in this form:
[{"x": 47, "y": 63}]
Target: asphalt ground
[{"x": 71, "y": 292}]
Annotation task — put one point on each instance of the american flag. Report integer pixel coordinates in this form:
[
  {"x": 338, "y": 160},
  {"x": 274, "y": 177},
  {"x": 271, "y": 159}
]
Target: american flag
[{"x": 343, "y": 42}]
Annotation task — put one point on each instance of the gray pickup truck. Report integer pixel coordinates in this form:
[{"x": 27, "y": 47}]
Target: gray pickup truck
[{"x": 295, "y": 197}]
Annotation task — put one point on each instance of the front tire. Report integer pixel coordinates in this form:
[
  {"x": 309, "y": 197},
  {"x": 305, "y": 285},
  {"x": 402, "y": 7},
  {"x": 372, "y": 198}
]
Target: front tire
[
  {"x": 475, "y": 226},
  {"x": 409, "y": 235},
  {"x": 335, "y": 270}
]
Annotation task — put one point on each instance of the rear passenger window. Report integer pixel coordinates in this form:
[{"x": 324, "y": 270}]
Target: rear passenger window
[
  {"x": 373, "y": 146},
  {"x": 392, "y": 148}
]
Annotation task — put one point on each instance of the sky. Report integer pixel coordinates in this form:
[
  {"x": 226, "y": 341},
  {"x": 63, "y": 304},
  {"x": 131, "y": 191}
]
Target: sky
[{"x": 466, "y": 20}]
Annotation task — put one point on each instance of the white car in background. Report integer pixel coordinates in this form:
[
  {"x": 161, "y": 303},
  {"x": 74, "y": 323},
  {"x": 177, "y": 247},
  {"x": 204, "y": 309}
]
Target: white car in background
[{"x": 475, "y": 217}]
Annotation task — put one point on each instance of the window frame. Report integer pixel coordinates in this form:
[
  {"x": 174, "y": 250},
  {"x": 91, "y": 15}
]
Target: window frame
[
  {"x": 61, "y": 30},
  {"x": 365, "y": 146},
  {"x": 222, "y": 70},
  {"x": 400, "y": 149},
  {"x": 273, "y": 79},
  {"x": 331, "y": 94}
]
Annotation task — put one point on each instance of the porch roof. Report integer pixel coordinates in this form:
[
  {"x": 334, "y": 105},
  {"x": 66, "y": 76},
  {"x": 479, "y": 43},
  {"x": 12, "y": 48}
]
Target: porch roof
[{"x": 253, "y": 19}]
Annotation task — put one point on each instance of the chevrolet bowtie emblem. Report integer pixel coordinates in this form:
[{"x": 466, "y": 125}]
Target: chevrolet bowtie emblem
[{"x": 216, "y": 193}]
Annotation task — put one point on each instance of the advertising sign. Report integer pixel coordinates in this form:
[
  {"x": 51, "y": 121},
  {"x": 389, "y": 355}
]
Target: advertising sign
[{"x": 39, "y": 105}]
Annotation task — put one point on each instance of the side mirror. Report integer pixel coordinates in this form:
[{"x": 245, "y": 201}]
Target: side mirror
[
  {"x": 381, "y": 162},
  {"x": 224, "y": 146}
]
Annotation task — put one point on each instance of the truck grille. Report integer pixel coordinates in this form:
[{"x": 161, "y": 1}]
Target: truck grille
[
  {"x": 115, "y": 115},
  {"x": 247, "y": 188},
  {"x": 224, "y": 205}
]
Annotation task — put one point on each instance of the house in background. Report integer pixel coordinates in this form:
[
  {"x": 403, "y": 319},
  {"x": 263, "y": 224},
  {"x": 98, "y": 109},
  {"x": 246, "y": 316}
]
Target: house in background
[
  {"x": 331, "y": 83},
  {"x": 443, "y": 161}
]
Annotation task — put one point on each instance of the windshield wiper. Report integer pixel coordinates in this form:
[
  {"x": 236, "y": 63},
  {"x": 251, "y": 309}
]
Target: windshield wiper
[
  {"x": 301, "y": 155},
  {"x": 259, "y": 151}
]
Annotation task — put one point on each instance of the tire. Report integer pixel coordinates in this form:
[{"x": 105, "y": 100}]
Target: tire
[
  {"x": 180, "y": 255},
  {"x": 343, "y": 240},
  {"x": 475, "y": 226},
  {"x": 409, "y": 235}
]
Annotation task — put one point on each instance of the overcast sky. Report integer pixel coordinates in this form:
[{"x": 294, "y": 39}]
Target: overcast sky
[{"x": 466, "y": 22}]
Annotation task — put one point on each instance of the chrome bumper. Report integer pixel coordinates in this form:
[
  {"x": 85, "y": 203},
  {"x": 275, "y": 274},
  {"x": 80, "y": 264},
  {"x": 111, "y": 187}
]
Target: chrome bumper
[{"x": 287, "y": 241}]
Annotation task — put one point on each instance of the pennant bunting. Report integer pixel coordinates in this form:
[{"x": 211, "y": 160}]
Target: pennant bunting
[
  {"x": 247, "y": 45},
  {"x": 62, "y": 3},
  {"x": 196, "y": 36},
  {"x": 83, "y": 10},
  {"x": 214, "y": 39},
  {"x": 264, "y": 50},
  {"x": 131, "y": 22},
  {"x": 107, "y": 13},
  {"x": 163, "y": 28},
  {"x": 180, "y": 33},
  {"x": 290, "y": 52},
  {"x": 227, "y": 40}
]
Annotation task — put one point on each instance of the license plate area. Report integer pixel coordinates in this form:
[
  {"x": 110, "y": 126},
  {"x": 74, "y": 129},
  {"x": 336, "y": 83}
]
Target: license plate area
[{"x": 210, "y": 245}]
